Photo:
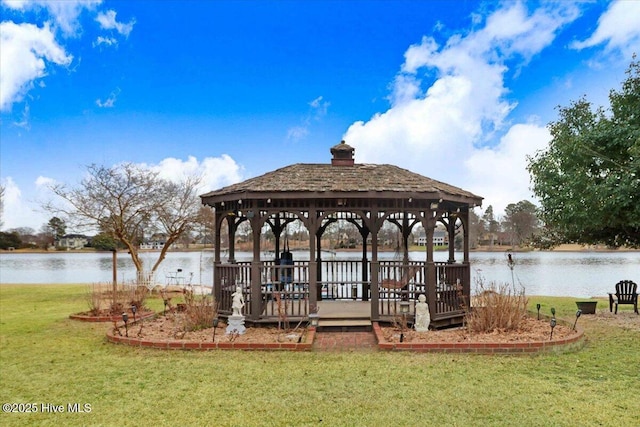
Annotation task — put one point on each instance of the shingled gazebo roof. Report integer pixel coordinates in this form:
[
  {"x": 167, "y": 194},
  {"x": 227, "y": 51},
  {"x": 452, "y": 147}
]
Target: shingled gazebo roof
[{"x": 314, "y": 180}]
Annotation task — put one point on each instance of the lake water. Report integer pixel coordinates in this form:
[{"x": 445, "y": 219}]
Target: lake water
[{"x": 575, "y": 274}]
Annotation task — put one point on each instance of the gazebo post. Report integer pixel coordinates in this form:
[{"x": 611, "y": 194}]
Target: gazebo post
[
  {"x": 231, "y": 222},
  {"x": 466, "y": 283},
  {"x": 365, "y": 273},
  {"x": 277, "y": 230},
  {"x": 314, "y": 291},
  {"x": 465, "y": 225},
  {"x": 430, "y": 278},
  {"x": 451, "y": 228},
  {"x": 256, "y": 264},
  {"x": 318, "y": 274},
  {"x": 217, "y": 287},
  {"x": 375, "y": 266}
]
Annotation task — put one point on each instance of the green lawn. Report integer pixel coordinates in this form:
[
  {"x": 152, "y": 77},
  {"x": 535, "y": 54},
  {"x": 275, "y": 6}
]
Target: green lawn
[{"x": 45, "y": 358}]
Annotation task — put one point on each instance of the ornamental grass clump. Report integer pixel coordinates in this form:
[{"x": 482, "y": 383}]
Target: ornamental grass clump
[
  {"x": 496, "y": 308},
  {"x": 102, "y": 298},
  {"x": 199, "y": 312},
  {"x": 95, "y": 298}
]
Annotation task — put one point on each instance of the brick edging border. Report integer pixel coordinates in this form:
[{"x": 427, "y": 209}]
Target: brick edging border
[
  {"x": 564, "y": 344},
  {"x": 204, "y": 345},
  {"x": 110, "y": 318}
]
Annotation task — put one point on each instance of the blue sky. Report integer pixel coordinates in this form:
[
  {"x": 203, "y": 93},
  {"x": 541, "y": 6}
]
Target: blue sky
[{"x": 459, "y": 91}]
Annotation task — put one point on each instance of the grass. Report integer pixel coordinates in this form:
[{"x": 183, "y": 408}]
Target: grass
[{"x": 47, "y": 358}]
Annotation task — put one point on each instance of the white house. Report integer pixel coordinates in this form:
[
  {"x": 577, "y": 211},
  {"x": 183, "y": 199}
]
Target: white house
[
  {"x": 439, "y": 238},
  {"x": 72, "y": 241}
]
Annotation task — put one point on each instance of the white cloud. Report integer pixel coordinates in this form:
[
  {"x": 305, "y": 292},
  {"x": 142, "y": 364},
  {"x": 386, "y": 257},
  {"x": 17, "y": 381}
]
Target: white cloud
[
  {"x": 29, "y": 50},
  {"x": 297, "y": 133},
  {"x": 107, "y": 21},
  {"x": 216, "y": 172},
  {"x": 65, "y": 13},
  {"x": 497, "y": 173},
  {"x": 109, "y": 41},
  {"x": 317, "y": 110},
  {"x": 449, "y": 101},
  {"x": 20, "y": 212},
  {"x": 110, "y": 101},
  {"x": 26, "y": 49},
  {"x": 24, "y": 119},
  {"x": 44, "y": 182},
  {"x": 320, "y": 107},
  {"x": 618, "y": 27}
]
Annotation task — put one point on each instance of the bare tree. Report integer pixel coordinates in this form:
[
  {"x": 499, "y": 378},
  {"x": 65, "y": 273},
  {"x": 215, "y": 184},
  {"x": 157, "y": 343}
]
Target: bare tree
[
  {"x": 207, "y": 224},
  {"x": 128, "y": 201}
]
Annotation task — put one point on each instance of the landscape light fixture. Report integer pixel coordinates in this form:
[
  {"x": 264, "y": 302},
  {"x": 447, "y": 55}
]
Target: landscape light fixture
[
  {"x": 553, "y": 325},
  {"x": 538, "y": 307},
  {"x": 215, "y": 326},
  {"x": 578, "y": 314},
  {"x": 404, "y": 307},
  {"x": 314, "y": 319},
  {"x": 125, "y": 319},
  {"x": 404, "y": 310},
  {"x": 134, "y": 309},
  {"x": 511, "y": 262}
]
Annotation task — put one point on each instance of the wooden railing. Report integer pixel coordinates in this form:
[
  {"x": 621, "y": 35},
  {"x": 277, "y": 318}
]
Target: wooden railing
[
  {"x": 404, "y": 282},
  {"x": 227, "y": 278},
  {"x": 285, "y": 289},
  {"x": 399, "y": 281},
  {"x": 344, "y": 280}
]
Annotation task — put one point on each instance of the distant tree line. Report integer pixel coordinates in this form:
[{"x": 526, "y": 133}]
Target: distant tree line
[{"x": 519, "y": 226}]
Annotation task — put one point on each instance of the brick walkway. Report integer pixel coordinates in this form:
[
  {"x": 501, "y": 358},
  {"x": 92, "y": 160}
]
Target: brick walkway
[{"x": 345, "y": 341}]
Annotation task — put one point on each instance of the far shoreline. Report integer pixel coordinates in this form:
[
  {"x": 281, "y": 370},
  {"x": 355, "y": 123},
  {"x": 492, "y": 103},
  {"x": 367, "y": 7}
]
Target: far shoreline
[{"x": 567, "y": 247}]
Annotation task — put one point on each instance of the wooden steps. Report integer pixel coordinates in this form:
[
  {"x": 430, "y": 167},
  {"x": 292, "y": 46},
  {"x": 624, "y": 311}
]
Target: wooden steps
[{"x": 344, "y": 325}]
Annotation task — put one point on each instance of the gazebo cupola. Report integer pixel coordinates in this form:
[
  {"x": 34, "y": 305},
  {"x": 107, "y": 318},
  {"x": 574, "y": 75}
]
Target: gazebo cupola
[{"x": 342, "y": 155}]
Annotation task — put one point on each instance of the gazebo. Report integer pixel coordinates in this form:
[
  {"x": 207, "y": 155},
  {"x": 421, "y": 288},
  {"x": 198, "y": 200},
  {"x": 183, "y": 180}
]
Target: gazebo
[{"x": 275, "y": 285}]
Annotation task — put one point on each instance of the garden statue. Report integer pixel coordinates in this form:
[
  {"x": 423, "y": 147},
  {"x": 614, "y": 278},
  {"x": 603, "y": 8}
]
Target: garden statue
[
  {"x": 238, "y": 302},
  {"x": 235, "y": 322},
  {"x": 423, "y": 318}
]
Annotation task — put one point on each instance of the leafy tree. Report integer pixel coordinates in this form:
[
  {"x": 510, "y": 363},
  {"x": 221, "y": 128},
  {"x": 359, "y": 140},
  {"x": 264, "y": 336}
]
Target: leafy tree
[
  {"x": 491, "y": 224},
  {"x": 475, "y": 228},
  {"x": 521, "y": 222},
  {"x": 10, "y": 240},
  {"x": 104, "y": 242},
  {"x": 588, "y": 179},
  {"x": 126, "y": 201},
  {"x": 57, "y": 227}
]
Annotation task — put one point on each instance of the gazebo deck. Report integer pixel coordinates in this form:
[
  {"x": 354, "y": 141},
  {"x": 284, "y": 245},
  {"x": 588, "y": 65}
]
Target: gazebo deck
[{"x": 342, "y": 294}]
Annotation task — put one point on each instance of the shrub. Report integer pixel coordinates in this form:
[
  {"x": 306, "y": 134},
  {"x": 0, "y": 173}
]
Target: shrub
[
  {"x": 95, "y": 298},
  {"x": 199, "y": 311},
  {"x": 101, "y": 298},
  {"x": 496, "y": 308}
]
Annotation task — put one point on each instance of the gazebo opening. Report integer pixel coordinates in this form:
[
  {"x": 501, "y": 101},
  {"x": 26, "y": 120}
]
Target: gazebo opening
[{"x": 317, "y": 233}]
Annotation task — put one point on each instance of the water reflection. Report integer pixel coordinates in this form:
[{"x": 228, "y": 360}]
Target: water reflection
[{"x": 575, "y": 274}]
